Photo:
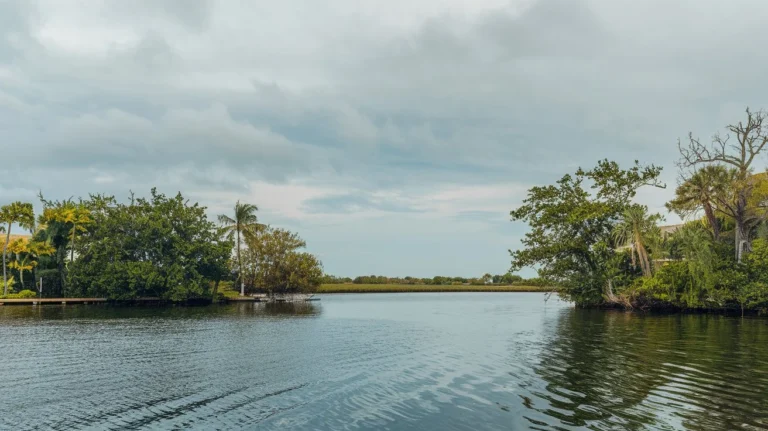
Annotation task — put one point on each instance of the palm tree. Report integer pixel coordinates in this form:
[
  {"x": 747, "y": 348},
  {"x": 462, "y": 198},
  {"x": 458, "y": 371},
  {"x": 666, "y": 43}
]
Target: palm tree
[
  {"x": 66, "y": 214},
  {"x": 634, "y": 230},
  {"x": 244, "y": 224},
  {"x": 14, "y": 213},
  {"x": 27, "y": 252},
  {"x": 701, "y": 192},
  {"x": 696, "y": 249},
  {"x": 78, "y": 216}
]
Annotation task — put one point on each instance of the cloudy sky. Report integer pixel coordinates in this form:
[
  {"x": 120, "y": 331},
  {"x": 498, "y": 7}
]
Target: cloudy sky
[{"x": 395, "y": 136}]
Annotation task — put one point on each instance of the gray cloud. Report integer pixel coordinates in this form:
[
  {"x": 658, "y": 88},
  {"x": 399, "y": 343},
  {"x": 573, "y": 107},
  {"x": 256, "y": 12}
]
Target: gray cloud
[
  {"x": 358, "y": 99},
  {"x": 353, "y": 202}
]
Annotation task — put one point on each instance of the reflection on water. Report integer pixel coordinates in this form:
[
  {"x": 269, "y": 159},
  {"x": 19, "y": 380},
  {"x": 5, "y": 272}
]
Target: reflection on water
[
  {"x": 620, "y": 370},
  {"x": 392, "y": 361},
  {"x": 253, "y": 310}
]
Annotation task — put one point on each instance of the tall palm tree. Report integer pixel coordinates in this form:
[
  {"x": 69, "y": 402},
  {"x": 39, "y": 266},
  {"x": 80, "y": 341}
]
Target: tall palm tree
[
  {"x": 634, "y": 230},
  {"x": 78, "y": 216},
  {"x": 20, "y": 213},
  {"x": 701, "y": 192},
  {"x": 243, "y": 224}
]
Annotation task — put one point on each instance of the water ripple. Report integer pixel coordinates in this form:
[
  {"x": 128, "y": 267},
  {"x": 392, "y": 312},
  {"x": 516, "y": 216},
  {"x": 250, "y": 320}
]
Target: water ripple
[{"x": 404, "y": 362}]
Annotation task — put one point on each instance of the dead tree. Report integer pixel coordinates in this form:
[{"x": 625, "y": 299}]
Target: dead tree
[{"x": 737, "y": 149}]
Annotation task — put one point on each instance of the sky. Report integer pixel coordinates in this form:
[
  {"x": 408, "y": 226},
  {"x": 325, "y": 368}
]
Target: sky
[{"x": 394, "y": 136}]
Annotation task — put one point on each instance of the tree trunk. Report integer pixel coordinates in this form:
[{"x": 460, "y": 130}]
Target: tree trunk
[
  {"x": 646, "y": 265},
  {"x": 609, "y": 295},
  {"x": 712, "y": 219},
  {"x": 72, "y": 252},
  {"x": 742, "y": 235},
  {"x": 642, "y": 255},
  {"x": 240, "y": 265},
  {"x": 5, "y": 253},
  {"x": 742, "y": 241},
  {"x": 215, "y": 290},
  {"x": 60, "y": 256}
]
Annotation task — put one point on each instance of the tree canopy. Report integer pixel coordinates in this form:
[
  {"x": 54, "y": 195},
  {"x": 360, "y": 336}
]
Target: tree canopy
[
  {"x": 157, "y": 247},
  {"x": 572, "y": 224},
  {"x": 273, "y": 261},
  {"x": 589, "y": 237}
]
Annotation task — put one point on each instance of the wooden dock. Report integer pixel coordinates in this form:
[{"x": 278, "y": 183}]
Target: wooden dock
[
  {"x": 254, "y": 298},
  {"x": 35, "y": 301},
  {"x": 147, "y": 300},
  {"x": 40, "y": 301}
]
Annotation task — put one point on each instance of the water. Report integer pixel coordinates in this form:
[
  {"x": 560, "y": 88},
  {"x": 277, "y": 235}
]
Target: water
[{"x": 461, "y": 361}]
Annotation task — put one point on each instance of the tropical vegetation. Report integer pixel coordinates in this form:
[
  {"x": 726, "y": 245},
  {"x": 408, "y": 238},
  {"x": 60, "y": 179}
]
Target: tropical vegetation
[
  {"x": 160, "y": 246},
  {"x": 273, "y": 260},
  {"x": 590, "y": 238},
  {"x": 244, "y": 225},
  {"x": 14, "y": 213}
]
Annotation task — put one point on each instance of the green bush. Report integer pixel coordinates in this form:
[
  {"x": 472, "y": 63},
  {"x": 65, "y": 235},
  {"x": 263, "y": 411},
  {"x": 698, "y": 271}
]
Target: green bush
[{"x": 24, "y": 294}]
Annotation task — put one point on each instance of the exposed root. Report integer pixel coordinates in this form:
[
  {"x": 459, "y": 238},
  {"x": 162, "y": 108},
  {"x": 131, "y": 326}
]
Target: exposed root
[{"x": 620, "y": 300}]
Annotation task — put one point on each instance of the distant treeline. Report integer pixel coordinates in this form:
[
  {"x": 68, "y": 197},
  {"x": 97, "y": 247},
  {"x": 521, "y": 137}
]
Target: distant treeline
[{"x": 499, "y": 279}]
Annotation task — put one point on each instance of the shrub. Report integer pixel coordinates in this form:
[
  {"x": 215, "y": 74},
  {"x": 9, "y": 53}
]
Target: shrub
[{"x": 24, "y": 294}]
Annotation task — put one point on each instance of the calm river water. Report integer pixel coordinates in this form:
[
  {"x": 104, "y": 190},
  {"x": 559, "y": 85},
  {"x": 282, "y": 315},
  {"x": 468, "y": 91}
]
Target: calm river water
[{"x": 460, "y": 361}]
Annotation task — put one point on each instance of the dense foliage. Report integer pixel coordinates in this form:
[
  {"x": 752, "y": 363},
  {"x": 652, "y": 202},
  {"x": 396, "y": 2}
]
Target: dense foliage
[
  {"x": 157, "y": 247},
  {"x": 572, "y": 236},
  {"x": 273, "y": 262},
  {"x": 592, "y": 240},
  {"x": 19, "y": 213},
  {"x": 160, "y": 247}
]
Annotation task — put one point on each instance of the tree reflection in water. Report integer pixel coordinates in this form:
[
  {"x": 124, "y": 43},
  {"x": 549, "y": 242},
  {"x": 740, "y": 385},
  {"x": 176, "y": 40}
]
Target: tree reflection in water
[{"x": 609, "y": 370}]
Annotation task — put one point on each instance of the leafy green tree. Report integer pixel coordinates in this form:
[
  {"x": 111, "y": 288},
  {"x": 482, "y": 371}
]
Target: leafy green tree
[
  {"x": 20, "y": 213},
  {"x": 634, "y": 230},
  {"x": 156, "y": 247},
  {"x": 273, "y": 261},
  {"x": 701, "y": 260},
  {"x": 570, "y": 238},
  {"x": 302, "y": 272},
  {"x": 243, "y": 225},
  {"x": 701, "y": 192}
]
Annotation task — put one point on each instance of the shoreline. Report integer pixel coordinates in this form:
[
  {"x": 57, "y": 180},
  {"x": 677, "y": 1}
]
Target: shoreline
[
  {"x": 136, "y": 301},
  {"x": 420, "y": 288},
  {"x": 325, "y": 289}
]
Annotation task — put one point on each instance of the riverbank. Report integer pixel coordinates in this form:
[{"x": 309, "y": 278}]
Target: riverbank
[
  {"x": 136, "y": 301},
  {"x": 230, "y": 295},
  {"x": 406, "y": 288}
]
